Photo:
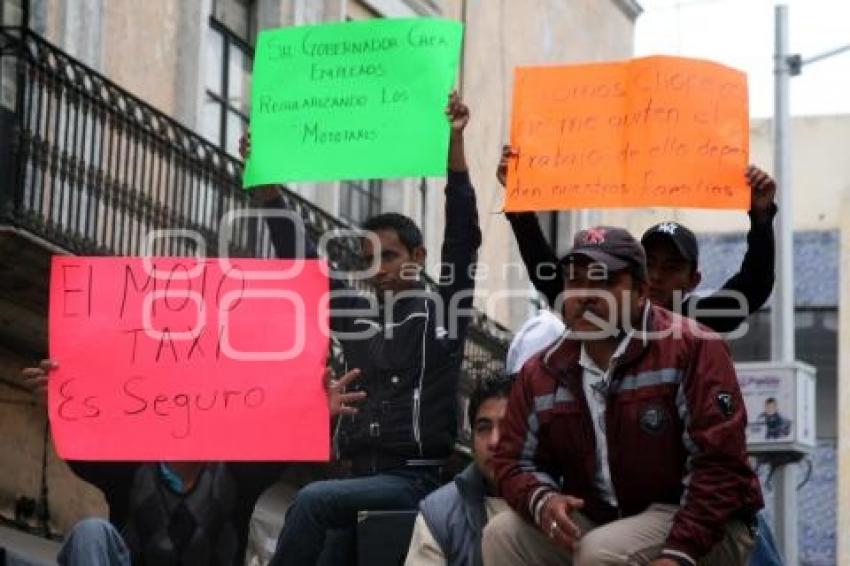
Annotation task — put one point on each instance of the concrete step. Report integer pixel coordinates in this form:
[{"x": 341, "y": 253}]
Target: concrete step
[{"x": 24, "y": 549}]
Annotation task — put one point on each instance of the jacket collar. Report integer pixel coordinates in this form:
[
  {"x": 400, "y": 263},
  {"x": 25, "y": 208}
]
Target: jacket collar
[
  {"x": 473, "y": 489},
  {"x": 471, "y": 483},
  {"x": 404, "y": 300},
  {"x": 562, "y": 357}
]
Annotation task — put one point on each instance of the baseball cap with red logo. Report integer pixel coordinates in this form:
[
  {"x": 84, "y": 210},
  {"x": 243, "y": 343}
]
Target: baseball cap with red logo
[{"x": 613, "y": 247}]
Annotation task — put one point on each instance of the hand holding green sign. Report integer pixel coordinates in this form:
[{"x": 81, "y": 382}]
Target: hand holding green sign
[{"x": 352, "y": 100}]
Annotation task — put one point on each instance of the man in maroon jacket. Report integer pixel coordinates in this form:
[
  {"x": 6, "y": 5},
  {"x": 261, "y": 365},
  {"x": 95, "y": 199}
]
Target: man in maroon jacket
[{"x": 624, "y": 441}]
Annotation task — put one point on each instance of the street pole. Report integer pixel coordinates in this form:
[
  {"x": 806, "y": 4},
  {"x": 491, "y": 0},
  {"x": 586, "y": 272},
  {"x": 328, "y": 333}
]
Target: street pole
[{"x": 782, "y": 311}]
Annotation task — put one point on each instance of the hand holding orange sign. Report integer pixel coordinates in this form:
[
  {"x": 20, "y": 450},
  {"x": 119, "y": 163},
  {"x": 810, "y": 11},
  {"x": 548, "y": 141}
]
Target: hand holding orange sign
[{"x": 657, "y": 131}]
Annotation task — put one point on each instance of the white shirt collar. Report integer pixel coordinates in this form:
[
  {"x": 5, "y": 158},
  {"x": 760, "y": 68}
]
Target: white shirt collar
[
  {"x": 587, "y": 362},
  {"x": 584, "y": 358}
]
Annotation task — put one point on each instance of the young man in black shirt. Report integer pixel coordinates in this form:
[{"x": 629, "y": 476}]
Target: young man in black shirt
[{"x": 407, "y": 341}]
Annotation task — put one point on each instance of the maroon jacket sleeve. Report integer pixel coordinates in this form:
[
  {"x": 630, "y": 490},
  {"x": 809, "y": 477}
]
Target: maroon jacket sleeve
[
  {"x": 521, "y": 468},
  {"x": 719, "y": 484}
]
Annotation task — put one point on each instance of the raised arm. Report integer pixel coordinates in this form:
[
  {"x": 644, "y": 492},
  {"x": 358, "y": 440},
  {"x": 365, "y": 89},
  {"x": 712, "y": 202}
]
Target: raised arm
[
  {"x": 754, "y": 281},
  {"x": 534, "y": 249},
  {"x": 282, "y": 231},
  {"x": 286, "y": 234},
  {"x": 462, "y": 236}
]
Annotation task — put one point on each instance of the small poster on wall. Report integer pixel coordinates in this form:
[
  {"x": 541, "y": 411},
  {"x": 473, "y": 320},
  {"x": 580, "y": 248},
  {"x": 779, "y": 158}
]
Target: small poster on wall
[{"x": 780, "y": 405}]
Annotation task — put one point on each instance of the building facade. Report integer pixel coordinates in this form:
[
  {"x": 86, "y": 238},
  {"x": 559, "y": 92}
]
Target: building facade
[{"x": 119, "y": 117}]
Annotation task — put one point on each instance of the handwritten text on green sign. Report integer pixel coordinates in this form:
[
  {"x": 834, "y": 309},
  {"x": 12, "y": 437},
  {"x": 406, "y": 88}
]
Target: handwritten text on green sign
[{"x": 352, "y": 100}]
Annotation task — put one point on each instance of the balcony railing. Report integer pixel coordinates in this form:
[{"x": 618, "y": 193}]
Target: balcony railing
[{"x": 93, "y": 169}]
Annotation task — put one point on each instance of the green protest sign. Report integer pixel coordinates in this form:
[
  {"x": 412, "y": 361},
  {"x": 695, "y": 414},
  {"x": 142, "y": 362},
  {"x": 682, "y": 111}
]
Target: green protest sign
[{"x": 352, "y": 100}]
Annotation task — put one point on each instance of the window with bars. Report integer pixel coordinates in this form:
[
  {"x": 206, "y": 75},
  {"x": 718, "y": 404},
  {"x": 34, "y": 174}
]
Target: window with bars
[
  {"x": 360, "y": 200},
  {"x": 11, "y": 15},
  {"x": 228, "y": 59},
  {"x": 12, "y": 12}
]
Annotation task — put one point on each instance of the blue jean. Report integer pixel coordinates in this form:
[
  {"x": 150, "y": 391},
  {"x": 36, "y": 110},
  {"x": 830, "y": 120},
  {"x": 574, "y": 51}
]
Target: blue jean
[
  {"x": 331, "y": 506},
  {"x": 94, "y": 542},
  {"x": 765, "y": 552}
]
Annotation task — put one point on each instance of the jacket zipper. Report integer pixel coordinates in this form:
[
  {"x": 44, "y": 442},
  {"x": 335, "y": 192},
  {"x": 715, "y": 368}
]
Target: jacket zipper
[
  {"x": 417, "y": 403},
  {"x": 417, "y": 391},
  {"x": 337, "y": 427},
  {"x": 610, "y": 378}
]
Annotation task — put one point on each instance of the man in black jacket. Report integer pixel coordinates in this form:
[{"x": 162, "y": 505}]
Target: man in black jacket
[
  {"x": 407, "y": 343},
  {"x": 672, "y": 261}
]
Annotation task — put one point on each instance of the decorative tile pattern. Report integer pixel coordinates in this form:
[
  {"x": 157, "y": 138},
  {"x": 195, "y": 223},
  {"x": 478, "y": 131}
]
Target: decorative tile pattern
[
  {"x": 816, "y": 506},
  {"x": 816, "y": 262}
]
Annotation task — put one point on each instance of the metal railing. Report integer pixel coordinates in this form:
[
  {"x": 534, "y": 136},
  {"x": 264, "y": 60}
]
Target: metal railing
[{"x": 93, "y": 169}]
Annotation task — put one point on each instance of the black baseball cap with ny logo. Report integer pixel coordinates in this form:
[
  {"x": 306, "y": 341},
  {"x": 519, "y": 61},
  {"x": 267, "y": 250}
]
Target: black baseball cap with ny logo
[{"x": 682, "y": 238}]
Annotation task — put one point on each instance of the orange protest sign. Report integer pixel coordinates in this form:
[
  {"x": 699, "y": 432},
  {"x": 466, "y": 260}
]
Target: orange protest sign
[{"x": 657, "y": 131}]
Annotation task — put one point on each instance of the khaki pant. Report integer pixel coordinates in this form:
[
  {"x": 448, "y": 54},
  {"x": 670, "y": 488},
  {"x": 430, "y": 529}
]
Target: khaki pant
[{"x": 511, "y": 541}]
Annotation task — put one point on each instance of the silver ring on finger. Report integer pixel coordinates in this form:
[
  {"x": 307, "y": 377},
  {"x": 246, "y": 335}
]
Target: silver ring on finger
[{"x": 553, "y": 526}]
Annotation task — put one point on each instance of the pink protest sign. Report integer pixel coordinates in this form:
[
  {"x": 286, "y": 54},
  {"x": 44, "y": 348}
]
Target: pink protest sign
[{"x": 188, "y": 359}]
